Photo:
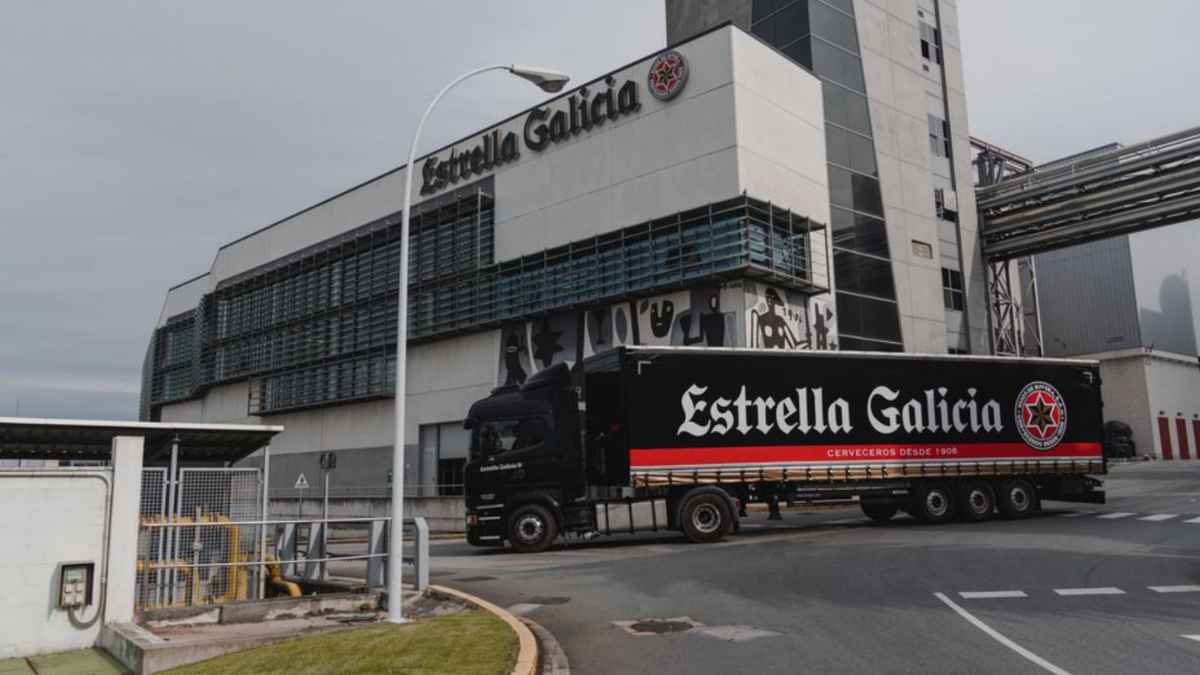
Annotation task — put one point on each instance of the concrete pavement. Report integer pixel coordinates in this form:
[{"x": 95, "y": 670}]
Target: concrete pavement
[{"x": 1072, "y": 591}]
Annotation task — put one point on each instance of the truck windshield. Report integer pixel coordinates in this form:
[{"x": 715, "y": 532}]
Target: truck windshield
[{"x": 496, "y": 437}]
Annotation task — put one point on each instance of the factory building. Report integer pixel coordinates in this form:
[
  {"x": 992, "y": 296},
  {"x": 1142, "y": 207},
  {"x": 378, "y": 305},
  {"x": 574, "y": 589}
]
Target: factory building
[{"x": 784, "y": 175}]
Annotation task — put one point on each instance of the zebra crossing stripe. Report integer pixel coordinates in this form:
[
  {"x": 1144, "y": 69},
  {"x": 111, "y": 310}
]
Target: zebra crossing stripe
[
  {"x": 1193, "y": 521},
  {"x": 1159, "y": 517},
  {"x": 1114, "y": 516},
  {"x": 1191, "y": 588}
]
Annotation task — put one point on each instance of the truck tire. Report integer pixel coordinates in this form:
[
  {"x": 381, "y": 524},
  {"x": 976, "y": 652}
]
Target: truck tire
[
  {"x": 705, "y": 517},
  {"x": 976, "y": 500},
  {"x": 934, "y": 503},
  {"x": 1017, "y": 498},
  {"x": 532, "y": 529},
  {"x": 880, "y": 512}
]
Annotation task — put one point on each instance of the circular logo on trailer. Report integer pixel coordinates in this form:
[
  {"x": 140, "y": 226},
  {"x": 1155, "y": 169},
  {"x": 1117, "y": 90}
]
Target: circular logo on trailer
[
  {"x": 1041, "y": 414},
  {"x": 668, "y": 73}
]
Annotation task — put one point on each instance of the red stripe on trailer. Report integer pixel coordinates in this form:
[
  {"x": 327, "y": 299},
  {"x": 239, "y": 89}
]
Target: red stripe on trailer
[
  {"x": 1181, "y": 431},
  {"x": 1196, "y": 435},
  {"x": 1164, "y": 437},
  {"x": 771, "y": 454}
]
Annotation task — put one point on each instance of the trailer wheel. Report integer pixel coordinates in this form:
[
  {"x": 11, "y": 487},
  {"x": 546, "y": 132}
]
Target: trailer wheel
[
  {"x": 532, "y": 529},
  {"x": 705, "y": 517},
  {"x": 880, "y": 512},
  {"x": 934, "y": 504},
  {"x": 1017, "y": 499},
  {"x": 976, "y": 500}
]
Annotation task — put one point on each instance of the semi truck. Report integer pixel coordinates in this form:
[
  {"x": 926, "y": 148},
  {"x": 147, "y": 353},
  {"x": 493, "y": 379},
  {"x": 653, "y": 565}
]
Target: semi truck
[{"x": 681, "y": 438}]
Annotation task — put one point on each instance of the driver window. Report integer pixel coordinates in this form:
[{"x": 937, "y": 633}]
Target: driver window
[{"x": 501, "y": 436}]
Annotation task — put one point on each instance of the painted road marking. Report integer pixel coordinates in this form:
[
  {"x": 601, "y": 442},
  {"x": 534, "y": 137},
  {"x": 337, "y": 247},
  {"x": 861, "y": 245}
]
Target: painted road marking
[
  {"x": 1099, "y": 590},
  {"x": 1114, "y": 516},
  {"x": 1193, "y": 521},
  {"x": 1075, "y": 514},
  {"x": 523, "y": 608},
  {"x": 983, "y": 595},
  {"x": 998, "y": 637},
  {"x": 1175, "y": 589},
  {"x": 1191, "y": 637},
  {"x": 1159, "y": 517}
]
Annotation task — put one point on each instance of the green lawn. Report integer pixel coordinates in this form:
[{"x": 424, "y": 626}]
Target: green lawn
[{"x": 467, "y": 643}]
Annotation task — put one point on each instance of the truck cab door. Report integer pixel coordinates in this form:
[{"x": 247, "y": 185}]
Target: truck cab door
[{"x": 515, "y": 455}]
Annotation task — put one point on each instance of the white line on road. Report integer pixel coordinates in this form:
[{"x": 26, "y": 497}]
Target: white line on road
[
  {"x": 1098, "y": 590},
  {"x": 523, "y": 608},
  {"x": 1175, "y": 589},
  {"x": 1075, "y": 514},
  {"x": 1193, "y": 521},
  {"x": 984, "y": 595},
  {"x": 1191, "y": 637},
  {"x": 1114, "y": 516},
  {"x": 1159, "y": 517},
  {"x": 998, "y": 637}
]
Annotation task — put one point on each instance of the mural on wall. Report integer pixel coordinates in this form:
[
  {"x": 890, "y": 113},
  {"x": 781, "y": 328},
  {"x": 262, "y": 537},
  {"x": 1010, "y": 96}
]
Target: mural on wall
[
  {"x": 823, "y": 322},
  {"x": 515, "y": 359},
  {"x": 774, "y": 320},
  {"x": 705, "y": 316}
]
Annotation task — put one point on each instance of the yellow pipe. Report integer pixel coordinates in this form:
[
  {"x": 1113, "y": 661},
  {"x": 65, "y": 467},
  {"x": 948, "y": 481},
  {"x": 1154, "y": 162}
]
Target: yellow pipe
[{"x": 277, "y": 580}]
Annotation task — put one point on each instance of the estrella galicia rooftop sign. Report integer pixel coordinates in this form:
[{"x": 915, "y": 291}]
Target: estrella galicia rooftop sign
[{"x": 584, "y": 110}]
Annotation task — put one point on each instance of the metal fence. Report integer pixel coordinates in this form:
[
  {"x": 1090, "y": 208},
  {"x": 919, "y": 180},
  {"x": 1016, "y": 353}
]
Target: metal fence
[{"x": 203, "y": 539}]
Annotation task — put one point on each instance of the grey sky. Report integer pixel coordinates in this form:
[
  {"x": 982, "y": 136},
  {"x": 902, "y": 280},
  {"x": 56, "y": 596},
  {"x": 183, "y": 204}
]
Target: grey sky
[{"x": 136, "y": 137}]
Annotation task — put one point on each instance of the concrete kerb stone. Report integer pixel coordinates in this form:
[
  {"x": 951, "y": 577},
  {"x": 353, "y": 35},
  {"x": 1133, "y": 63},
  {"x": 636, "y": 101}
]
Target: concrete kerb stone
[{"x": 527, "y": 654}]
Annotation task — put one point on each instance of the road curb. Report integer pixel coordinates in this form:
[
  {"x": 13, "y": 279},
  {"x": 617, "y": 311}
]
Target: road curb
[
  {"x": 553, "y": 658},
  {"x": 527, "y": 654}
]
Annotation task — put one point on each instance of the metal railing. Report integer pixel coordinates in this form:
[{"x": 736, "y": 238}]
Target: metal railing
[{"x": 217, "y": 559}]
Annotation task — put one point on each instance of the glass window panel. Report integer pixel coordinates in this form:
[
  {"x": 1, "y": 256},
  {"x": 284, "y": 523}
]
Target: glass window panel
[
  {"x": 833, "y": 26},
  {"x": 800, "y": 51},
  {"x": 863, "y": 274},
  {"x": 867, "y": 197},
  {"x": 785, "y": 26},
  {"x": 868, "y": 317},
  {"x": 861, "y": 345},
  {"x": 846, "y": 108},
  {"x": 846, "y": 6},
  {"x": 859, "y": 232},
  {"x": 837, "y": 65}
]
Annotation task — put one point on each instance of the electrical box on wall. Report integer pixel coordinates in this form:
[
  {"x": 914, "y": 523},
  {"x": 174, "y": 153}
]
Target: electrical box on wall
[{"x": 75, "y": 584}]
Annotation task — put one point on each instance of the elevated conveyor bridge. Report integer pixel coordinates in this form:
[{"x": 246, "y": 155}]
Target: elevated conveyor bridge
[{"x": 1106, "y": 192}]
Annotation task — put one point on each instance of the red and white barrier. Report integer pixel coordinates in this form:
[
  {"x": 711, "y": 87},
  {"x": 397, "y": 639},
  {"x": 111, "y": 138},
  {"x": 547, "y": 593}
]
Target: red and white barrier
[{"x": 1181, "y": 444}]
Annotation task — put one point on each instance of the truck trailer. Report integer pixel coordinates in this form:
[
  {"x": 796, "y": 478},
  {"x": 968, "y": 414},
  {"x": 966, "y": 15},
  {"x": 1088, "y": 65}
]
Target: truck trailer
[{"x": 681, "y": 438}]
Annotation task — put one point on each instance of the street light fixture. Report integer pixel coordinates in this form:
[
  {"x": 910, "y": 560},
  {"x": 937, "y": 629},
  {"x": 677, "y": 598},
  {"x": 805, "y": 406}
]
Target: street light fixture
[{"x": 549, "y": 81}]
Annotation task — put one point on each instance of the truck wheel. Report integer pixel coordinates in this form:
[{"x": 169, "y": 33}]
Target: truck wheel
[
  {"x": 976, "y": 500},
  {"x": 880, "y": 512},
  {"x": 935, "y": 503},
  {"x": 1017, "y": 499},
  {"x": 704, "y": 518},
  {"x": 532, "y": 529}
]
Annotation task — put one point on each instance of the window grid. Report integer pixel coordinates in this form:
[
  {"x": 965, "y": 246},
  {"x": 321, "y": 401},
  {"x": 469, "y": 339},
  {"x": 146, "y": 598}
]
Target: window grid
[{"x": 321, "y": 328}]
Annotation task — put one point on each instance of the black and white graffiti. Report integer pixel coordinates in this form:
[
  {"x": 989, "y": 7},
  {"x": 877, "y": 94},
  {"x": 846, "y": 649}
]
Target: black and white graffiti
[{"x": 774, "y": 321}]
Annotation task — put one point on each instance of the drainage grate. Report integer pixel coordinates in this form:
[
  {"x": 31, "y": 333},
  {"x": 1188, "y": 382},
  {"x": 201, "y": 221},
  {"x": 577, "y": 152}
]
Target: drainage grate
[
  {"x": 676, "y": 624},
  {"x": 658, "y": 626}
]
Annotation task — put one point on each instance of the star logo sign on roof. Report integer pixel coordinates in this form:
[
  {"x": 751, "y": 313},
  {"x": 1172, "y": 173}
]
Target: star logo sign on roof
[{"x": 668, "y": 73}]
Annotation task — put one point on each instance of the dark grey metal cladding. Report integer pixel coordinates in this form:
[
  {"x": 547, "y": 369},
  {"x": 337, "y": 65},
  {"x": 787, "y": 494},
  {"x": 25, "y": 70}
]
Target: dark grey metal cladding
[{"x": 688, "y": 18}]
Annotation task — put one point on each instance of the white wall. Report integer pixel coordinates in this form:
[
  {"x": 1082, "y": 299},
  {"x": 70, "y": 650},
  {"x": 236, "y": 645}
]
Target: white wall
[
  {"x": 51, "y": 516},
  {"x": 45, "y": 521},
  {"x": 1139, "y": 386},
  {"x": 1174, "y": 387}
]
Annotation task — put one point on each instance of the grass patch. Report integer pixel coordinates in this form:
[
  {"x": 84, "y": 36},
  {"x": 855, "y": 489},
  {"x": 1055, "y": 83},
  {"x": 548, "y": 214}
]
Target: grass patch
[{"x": 467, "y": 643}]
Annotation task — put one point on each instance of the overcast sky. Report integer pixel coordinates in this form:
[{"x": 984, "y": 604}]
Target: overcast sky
[{"x": 137, "y": 137}]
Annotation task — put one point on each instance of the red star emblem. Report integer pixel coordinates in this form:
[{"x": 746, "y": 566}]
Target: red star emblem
[{"x": 1041, "y": 414}]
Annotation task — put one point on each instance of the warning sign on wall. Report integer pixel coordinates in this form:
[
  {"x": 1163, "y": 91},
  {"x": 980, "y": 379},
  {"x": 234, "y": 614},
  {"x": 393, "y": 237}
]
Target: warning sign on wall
[{"x": 301, "y": 482}]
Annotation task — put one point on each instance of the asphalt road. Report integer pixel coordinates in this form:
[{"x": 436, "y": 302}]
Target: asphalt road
[{"x": 1079, "y": 589}]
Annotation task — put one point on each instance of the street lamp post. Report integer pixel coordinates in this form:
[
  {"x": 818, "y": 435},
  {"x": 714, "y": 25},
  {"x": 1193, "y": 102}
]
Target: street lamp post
[{"x": 547, "y": 80}]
